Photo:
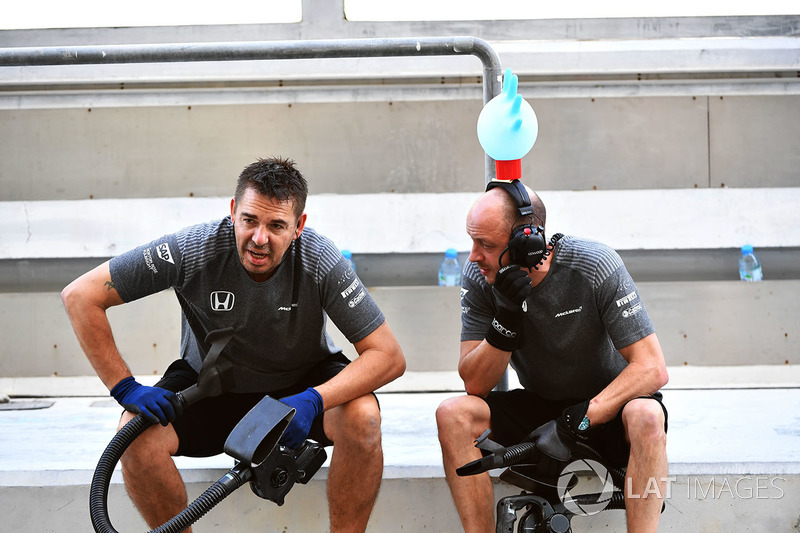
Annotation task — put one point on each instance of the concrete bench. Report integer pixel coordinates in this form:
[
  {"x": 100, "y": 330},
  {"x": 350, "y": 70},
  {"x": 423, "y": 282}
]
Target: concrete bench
[{"x": 734, "y": 463}]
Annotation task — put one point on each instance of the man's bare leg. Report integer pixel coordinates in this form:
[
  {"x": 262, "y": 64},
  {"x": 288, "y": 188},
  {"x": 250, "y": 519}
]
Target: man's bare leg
[
  {"x": 461, "y": 420},
  {"x": 151, "y": 477},
  {"x": 356, "y": 468},
  {"x": 646, "y": 477}
]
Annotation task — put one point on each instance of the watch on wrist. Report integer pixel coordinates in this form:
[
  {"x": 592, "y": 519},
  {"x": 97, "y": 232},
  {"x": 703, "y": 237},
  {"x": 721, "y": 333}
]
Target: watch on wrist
[{"x": 585, "y": 423}]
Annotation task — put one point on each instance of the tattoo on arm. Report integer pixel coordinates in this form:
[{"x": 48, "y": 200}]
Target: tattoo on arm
[{"x": 110, "y": 285}]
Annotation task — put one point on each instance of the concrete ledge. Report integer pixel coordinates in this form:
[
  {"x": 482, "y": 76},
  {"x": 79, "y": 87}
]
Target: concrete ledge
[
  {"x": 722, "y": 446},
  {"x": 681, "y": 378},
  {"x": 431, "y": 222},
  {"x": 721, "y": 432}
]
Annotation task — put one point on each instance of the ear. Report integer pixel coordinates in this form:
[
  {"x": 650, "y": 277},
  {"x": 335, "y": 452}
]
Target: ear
[
  {"x": 233, "y": 208},
  {"x": 301, "y": 223}
]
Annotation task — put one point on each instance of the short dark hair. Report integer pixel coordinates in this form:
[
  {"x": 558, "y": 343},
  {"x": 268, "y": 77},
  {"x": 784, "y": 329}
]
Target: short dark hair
[{"x": 277, "y": 178}]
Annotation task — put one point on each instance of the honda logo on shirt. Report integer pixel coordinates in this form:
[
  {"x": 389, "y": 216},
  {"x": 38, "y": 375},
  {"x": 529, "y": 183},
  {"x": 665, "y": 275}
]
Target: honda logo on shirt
[{"x": 222, "y": 300}]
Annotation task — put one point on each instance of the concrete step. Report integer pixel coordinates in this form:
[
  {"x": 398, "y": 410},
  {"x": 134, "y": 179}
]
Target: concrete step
[
  {"x": 734, "y": 465},
  {"x": 681, "y": 378},
  {"x": 47, "y": 229}
]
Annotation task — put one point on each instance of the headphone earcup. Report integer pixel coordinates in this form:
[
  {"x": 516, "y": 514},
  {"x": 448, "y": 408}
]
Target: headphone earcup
[{"x": 527, "y": 249}]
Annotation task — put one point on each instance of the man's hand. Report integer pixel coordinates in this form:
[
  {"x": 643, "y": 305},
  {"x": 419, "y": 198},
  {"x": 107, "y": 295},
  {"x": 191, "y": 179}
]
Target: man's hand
[
  {"x": 155, "y": 404},
  {"x": 307, "y": 405},
  {"x": 511, "y": 287}
]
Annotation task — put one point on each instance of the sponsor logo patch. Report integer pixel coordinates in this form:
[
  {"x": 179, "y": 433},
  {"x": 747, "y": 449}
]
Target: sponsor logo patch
[
  {"x": 570, "y": 312},
  {"x": 148, "y": 260},
  {"x": 164, "y": 253},
  {"x": 222, "y": 300},
  {"x": 504, "y": 331},
  {"x": 628, "y": 298},
  {"x": 357, "y": 300},
  {"x": 349, "y": 290},
  {"x": 632, "y": 310}
]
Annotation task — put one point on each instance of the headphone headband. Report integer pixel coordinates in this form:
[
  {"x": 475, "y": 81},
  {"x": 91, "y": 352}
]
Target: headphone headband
[{"x": 517, "y": 191}]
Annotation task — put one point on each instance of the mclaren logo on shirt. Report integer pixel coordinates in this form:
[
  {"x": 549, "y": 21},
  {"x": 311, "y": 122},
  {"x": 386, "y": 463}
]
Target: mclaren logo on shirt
[{"x": 222, "y": 300}]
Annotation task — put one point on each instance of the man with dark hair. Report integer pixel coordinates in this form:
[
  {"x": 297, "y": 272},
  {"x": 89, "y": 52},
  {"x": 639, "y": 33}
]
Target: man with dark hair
[
  {"x": 574, "y": 328},
  {"x": 275, "y": 281}
]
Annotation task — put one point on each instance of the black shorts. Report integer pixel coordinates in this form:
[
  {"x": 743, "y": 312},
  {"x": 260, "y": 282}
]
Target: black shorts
[
  {"x": 204, "y": 426},
  {"x": 515, "y": 414}
]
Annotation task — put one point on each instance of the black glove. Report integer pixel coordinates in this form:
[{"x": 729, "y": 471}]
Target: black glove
[
  {"x": 511, "y": 287},
  {"x": 574, "y": 423}
]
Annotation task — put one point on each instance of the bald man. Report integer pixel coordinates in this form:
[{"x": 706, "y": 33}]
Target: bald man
[{"x": 573, "y": 327}]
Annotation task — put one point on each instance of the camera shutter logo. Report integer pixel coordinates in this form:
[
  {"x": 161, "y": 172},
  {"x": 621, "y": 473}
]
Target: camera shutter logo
[
  {"x": 222, "y": 300},
  {"x": 585, "y": 504}
]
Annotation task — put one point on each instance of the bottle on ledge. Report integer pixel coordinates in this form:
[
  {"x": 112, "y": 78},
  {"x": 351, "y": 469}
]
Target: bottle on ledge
[
  {"x": 749, "y": 265},
  {"x": 450, "y": 270}
]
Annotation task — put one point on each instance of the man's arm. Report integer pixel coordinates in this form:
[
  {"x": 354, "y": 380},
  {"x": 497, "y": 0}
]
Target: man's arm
[
  {"x": 380, "y": 360},
  {"x": 645, "y": 374},
  {"x": 481, "y": 366},
  {"x": 86, "y": 300}
]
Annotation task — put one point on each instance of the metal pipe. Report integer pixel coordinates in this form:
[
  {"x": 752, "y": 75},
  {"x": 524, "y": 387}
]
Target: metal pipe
[
  {"x": 248, "y": 51},
  {"x": 264, "y": 50}
]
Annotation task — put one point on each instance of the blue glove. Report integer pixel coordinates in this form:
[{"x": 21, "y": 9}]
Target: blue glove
[
  {"x": 153, "y": 403},
  {"x": 307, "y": 405}
]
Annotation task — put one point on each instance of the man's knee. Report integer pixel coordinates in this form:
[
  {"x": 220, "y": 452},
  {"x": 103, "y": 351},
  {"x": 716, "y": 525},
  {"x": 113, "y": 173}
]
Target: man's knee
[
  {"x": 462, "y": 414},
  {"x": 356, "y": 422},
  {"x": 154, "y": 443},
  {"x": 643, "y": 419}
]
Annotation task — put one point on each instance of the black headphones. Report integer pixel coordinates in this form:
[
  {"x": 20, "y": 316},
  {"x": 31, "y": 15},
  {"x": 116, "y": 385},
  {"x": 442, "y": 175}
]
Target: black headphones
[{"x": 527, "y": 246}]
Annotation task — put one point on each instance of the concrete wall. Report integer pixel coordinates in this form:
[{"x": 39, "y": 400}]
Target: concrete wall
[
  {"x": 698, "y": 324},
  {"x": 665, "y": 108},
  {"x": 399, "y": 147}
]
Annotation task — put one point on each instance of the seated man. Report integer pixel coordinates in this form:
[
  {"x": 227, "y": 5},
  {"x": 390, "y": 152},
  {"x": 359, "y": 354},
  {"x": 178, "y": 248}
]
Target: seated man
[
  {"x": 573, "y": 327},
  {"x": 275, "y": 281}
]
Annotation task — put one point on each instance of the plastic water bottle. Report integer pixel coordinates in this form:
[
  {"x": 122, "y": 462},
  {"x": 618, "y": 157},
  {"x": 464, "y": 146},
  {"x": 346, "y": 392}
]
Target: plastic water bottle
[
  {"x": 449, "y": 270},
  {"x": 349, "y": 256},
  {"x": 749, "y": 265}
]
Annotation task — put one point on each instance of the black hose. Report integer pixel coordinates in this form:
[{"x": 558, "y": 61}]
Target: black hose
[
  {"x": 616, "y": 501},
  {"x": 217, "y": 492},
  {"x": 519, "y": 452},
  {"x": 98, "y": 493}
]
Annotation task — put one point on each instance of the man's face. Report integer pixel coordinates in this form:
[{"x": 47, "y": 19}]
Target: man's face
[
  {"x": 264, "y": 230},
  {"x": 489, "y": 231}
]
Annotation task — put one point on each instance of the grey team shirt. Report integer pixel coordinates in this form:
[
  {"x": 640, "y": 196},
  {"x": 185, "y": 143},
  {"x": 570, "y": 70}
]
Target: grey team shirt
[
  {"x": 585, "y": 309},
  {"x": 279, "y": 325}
]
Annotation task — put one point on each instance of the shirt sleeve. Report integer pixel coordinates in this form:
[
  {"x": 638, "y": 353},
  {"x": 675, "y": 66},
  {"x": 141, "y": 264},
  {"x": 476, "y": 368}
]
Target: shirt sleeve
[
  {"x": 477, "y": 305},
  {"x": 147, "y": 269},
  {"x": 346, "y": 300},
  {"x": 622, "y": 309}
]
